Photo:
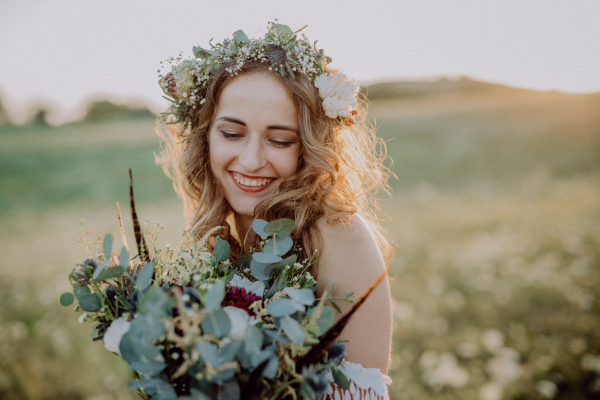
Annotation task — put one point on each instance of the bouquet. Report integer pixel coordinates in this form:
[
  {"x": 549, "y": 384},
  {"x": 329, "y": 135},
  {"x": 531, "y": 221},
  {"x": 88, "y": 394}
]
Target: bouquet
[{"x": 192, "y": 324}]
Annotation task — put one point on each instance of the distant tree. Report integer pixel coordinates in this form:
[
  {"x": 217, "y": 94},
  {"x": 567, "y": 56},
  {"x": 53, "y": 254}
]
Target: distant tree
[
  {"x": 106, "y": 110},
  {"x": 40, "y": 118},
  {"x": 3, "y": 115}
]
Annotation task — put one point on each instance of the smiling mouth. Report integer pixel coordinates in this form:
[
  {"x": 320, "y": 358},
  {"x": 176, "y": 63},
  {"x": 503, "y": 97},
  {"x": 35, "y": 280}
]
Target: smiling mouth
[{"x": 255, "y": 183}]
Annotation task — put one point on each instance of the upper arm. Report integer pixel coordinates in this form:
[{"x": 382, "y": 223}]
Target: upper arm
[{"x": 351, "y": 258}]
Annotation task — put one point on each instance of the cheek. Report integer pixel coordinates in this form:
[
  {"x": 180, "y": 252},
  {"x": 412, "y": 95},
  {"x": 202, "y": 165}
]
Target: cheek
[
  {"x": 217, "y": 156},
  {"x": 287, "y": 163}
]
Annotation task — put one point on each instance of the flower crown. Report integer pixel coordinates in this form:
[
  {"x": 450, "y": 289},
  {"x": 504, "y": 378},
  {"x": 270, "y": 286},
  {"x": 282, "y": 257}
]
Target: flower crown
[{"x": 187, "y": 82}]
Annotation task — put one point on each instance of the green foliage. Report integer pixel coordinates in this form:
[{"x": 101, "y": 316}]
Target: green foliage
[
  {"x": 278, "y": 246},
  {"x": 214, "y": 296},
  {"x": 102, "y": 110},
  {"x": 110, "y": 273},
  {"x": 325, "y": 320},
  {"x": 81, "y": 291},
  {"x": 240, "y": 36},
  {"x": 292, "y": 329},
  {"x": 144, "y": 277},
  {"x": 107, "y": 245},
  {"x": 222, "y": 250},
  {"x": 40, "y": 118},
  {"x": 283, "y": 307},
  {"x": 258, "y": 225},
  {"x": 281, "y": 227},
  {"x": 266, "y": 258},
  {"x": 216, "y": 323},
  {"x": 90, "y": 302},
  {"x": 4, "y": 120},
  {"x": 340, "y": 379},
  {"x": 66, "y": 299}
]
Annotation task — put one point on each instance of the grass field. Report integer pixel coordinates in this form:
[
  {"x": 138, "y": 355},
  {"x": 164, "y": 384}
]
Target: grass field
[{"x": 496, "y": 218}]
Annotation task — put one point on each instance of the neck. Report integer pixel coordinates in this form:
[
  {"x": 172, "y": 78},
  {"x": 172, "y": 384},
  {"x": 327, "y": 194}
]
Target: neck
[{"x": 243, "y": 224}]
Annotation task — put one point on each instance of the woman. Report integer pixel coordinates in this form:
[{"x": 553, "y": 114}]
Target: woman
[{"x": 257, "y": 137}]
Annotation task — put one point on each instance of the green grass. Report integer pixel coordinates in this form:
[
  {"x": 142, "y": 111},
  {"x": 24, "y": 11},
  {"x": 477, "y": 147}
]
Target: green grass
[
  {"x": 495, "y": 217},
  {"x": 48, "y": 168}
]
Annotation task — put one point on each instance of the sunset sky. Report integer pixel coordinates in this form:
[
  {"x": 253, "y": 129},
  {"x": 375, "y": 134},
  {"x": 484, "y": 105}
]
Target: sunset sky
[{"x": 65, "y": 52}]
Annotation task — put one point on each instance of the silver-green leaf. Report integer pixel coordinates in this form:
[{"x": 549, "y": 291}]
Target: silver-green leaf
[
  {"x": 283, "y": 307},
  {"x": 302, "y": 296},
  {"x": 258, "y": 270},
  {"x": 81, "y": 291},
  {"x": 258, "y": 226},
  {"x": 254, "y": 339},
  {"x": 109, "y": 273},
  {"x": 144, "y": 277},
  {"x": 240, "y": 36},
  {"x": 66, "y": 299},
  {"x": 107, "y": 245},
  {"x": 340, "y": 379},
  {"x": 266, "y": 258},
  {"x": 148, "y": 366},
  {"x": 90, "y": 302},
  {"x": 222, "y": 250},
  {"x": 281, "y": 227},
  {"x": 292, "y": 329},
  {"x": 214, "y": 296},
  {"x": 124, "y": 257},
  {"x": 100, "y": 268},
  {"x": 216, "y": 323},
  {"x": 278, "y": 246}
]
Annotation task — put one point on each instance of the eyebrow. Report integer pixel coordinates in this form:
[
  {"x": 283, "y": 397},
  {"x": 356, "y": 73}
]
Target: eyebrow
[{"x": 274, "y": 127}]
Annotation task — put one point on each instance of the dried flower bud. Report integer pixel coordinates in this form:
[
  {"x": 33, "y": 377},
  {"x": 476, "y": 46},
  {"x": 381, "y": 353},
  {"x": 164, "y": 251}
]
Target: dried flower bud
[{"x": 81, "y": 275}]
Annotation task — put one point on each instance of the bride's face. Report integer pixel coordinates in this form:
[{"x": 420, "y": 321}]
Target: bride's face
[{"x": 254, "y": 140}]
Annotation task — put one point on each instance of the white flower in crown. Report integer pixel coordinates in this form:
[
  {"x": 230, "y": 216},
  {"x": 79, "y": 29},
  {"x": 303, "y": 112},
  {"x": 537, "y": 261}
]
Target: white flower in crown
[
  {"x": 114, "y": 334},
  {"x": 257, "y": 287},
  {"x": 338, "y": 93},
  {"x": 184, "y": 76}
]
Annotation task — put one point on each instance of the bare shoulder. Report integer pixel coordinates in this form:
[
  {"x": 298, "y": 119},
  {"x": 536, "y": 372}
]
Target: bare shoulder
[
  {"x": 351, "y": 259},
  {"x": 348, "y": 243}
]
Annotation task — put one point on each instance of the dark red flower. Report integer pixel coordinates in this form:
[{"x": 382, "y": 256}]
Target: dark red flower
[
  {"x": 171, "y": 84},
  {"x": 240, "y": 298}
]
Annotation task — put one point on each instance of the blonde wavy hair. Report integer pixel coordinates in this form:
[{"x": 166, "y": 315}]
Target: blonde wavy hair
[{"x": 340, "y": 170}]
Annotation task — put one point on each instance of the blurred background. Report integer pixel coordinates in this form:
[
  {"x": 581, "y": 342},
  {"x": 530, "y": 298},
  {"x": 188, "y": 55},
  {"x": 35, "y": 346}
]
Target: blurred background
[{"x": 491, "y": 115}]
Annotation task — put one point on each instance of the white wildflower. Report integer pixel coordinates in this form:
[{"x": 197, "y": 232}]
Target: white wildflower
[
  {"x": 492, "y": 339},
  {"x": 547, "y": 389},
  {"x": 239, "y": 319},
  {"x": 443, "y": 371},
  {"x": 82, "y": 317},
  {"x": 114, "y": 334},
  {"x": 257, "y": 287},
  {"x": 504, "y": 368},
  {"x": 490, "y": 391}
]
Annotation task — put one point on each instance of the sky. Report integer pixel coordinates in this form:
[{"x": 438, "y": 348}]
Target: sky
[{"x": 64, "y": 53}]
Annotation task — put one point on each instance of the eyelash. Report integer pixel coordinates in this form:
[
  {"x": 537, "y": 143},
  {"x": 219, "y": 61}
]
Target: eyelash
[{"x": 276, "y": 143}]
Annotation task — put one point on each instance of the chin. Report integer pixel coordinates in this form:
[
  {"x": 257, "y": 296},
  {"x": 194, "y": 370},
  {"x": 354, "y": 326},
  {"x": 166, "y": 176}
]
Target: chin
[
  {"x": 245, "y": 209},
  {"x": 244, "y": 204}
]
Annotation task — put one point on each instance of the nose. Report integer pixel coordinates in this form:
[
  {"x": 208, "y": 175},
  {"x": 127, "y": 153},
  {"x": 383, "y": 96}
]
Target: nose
[{"x": 252, "y": 159}]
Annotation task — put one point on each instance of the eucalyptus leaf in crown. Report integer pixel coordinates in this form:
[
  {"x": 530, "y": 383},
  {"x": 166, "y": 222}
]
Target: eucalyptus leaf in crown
[{"x": 187, "y": 82}]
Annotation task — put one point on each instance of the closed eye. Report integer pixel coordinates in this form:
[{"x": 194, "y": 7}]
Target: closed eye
[
  {"x": 231, "y": 136},
  {"x": 282, "y": 143},
  {"x": 277, "y": 143}
]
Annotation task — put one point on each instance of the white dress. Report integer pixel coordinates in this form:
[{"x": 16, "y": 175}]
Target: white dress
[{"x": 365, "y": 384}]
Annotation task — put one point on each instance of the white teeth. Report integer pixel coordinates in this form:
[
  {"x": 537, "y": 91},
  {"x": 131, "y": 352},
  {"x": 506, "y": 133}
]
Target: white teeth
[{"x": 250, "y": 182}]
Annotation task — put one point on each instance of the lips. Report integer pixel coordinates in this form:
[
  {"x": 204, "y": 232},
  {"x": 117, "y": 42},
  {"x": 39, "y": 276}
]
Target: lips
[{"x": 251, "y": 184}]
